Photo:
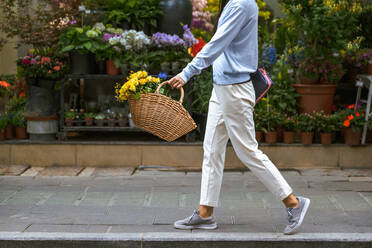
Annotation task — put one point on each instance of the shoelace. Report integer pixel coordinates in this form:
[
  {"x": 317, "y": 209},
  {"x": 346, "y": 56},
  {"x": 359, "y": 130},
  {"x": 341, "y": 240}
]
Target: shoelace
[
  {"x": 190, "y": 218},
  {"x": 290, "y": 216}
]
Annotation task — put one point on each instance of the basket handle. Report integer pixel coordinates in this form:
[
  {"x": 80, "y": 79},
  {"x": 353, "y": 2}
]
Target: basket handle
[{"x": 181, "y": 90}]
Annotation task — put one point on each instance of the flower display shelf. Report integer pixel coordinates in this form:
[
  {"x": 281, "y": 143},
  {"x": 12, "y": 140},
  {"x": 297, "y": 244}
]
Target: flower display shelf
[{"x": 63, "y": 129}]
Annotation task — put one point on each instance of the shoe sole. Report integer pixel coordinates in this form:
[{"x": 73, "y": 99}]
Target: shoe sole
[
  {"x": 304, "y": 211},
  {"x": 204, "y": 227}
]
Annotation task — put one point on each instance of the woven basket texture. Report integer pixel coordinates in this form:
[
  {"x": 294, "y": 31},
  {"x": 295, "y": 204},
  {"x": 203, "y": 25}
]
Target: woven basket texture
[{"x": 161, "y": 116}]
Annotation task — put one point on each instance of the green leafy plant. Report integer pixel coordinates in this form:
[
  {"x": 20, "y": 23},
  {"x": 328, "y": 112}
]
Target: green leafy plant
[
  {"x": 17, "y": 104},
  {"x": 100, "y": 116},
  {"x": 306, "y": 123},
  {"x": 202, "y": 89},
  {"x": 82, "y": 39},
  {"x": 352, "y": 117},
  {"x": 283, "y": 96},
  {"x": 70, "y": 115},
  {"x": 19, "y": 119},
  {"x": 3, "y": 121},
  {"x": 89, "y": 115},
  {"x": 327, "y": 123},
  {"x": 289, "y": 123}
]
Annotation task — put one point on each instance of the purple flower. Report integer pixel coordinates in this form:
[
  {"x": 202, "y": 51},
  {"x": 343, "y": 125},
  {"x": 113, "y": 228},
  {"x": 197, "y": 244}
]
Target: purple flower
[
  {"x": 188, "y": 37},
  {"x": 106, "y": 36},
  {"x": 73, "y": 22},
  {"x": 164, "y": 40},
  {"x": 33, "y": 61}
]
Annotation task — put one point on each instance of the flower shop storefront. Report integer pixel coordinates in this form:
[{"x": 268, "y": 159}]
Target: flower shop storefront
[{"x": 69, "y": 97}]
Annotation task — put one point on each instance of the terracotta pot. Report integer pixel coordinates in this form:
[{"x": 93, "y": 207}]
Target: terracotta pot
[
  {"x": 88, "y": 121},
  {"x": 289, "y": 137},
  {"x": 21, "y": 133},
  {"x": 123, "y": 122},
  {"x": 280, "y": 132},
  {"x": 307, "y": 138},
  {"x": 111, "y": 122},
  {"x": 100, "y": 123},
  {"x": 369, "y": 69},
  {"x": 2, "y": 135},
  {"x": 9, "y": 132},
  {"x": 351, "y": 137},
  {"x": 68, "y": 122},
  {"x": 315, "y": 97},
  {"x": 259, "y": 136},
  {"x": 111, "y": 69},
  {"x": 271, "y": 137},
  {"x": 326, "y": 138}
]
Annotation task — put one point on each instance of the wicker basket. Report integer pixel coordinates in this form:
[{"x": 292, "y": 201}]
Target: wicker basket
[{"x": 161, "y": 115}]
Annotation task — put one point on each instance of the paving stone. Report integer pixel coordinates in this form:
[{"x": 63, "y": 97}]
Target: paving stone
[
  {"x": 68, "y": 228},
  {"x": 358, "y": 172},
  {"x": 14, "y": 227},
  {"x": 320, "y": 172},
  {"x": 360, "y": 179},
  {"x": 53, "y": 171},
  {"x": 144, "y": 229},
  {"x": 111, "y": 172},
  {"x": 342, "y": 186},
  {"x": 96, "y": 199},
  {"x": 32, "y": 171},
  {"x": 12, "y": 170}
]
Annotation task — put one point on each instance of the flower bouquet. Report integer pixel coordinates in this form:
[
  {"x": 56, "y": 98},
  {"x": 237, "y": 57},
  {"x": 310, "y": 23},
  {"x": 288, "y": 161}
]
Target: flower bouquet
[{"x": 152, "y": 111}]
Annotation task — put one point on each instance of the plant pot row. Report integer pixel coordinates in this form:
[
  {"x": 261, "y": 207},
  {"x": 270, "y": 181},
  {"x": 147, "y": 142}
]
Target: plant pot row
[
  {"x": 350, "y": 137},
  {"x": 90, "y": 122},
  {"x": 11, "y": 132}
]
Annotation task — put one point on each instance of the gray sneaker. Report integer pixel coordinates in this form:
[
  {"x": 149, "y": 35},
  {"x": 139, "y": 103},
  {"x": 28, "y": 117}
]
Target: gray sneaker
[
  {"x": 296, "y": 215},
  {"x": 196, "y": 222}
]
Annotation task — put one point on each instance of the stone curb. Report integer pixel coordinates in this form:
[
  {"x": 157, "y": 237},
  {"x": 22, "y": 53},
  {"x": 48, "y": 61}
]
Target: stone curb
[{"x": 181, "y": 236}]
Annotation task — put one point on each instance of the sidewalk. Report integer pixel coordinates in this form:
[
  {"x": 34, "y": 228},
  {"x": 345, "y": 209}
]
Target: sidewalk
[{"x": 148, "y": 202}]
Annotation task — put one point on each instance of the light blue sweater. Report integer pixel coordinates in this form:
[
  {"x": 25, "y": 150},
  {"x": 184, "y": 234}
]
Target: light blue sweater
[{"x": 233, "y": 50}]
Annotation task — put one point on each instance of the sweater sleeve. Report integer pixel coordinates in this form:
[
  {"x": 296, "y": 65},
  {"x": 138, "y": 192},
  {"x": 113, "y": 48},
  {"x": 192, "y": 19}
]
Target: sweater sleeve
[{"x": 234, "y": 20}]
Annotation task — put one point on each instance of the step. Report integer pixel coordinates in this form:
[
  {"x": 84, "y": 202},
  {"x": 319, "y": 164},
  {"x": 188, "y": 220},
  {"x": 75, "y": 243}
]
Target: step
[
  {"x": 181, "y": 239},
  {"x": 183, "y": 156}
]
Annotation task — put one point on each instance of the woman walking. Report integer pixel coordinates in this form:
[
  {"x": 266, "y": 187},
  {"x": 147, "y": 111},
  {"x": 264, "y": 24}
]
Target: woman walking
[{"x": 233, "y": 51}]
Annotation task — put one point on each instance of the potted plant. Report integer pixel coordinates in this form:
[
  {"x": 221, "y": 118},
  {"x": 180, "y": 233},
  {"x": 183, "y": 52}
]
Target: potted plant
[
  {"x": 353, "y": 120},
  {"x": 306, "y": 126},
  {"x": 100, "y": 119},
  {"x": 11, "y": 123},
  {"x": 20, "y": 127},
  {"x": 123, "y": 120},
  {"x": 258, "y": 126},
  {"x": 289, "y": 125},
  {"x": 3, "y": 125},
  {"x": 88, "y": 117},
  {"x": 327, "y": 125},
  {"x": 322, "y": 34},
  {"x": 202, "y": 91},
  {"x": 69, "y": 117},
  {"x": 111, "y": 119},
  {"x": 81, "y": 44},
  {"x": 271, "y": 120}
]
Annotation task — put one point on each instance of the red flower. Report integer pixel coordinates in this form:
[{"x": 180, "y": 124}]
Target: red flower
[
  {"x": 357, "y": 114},
  {"x": 350, "y": 117},
  {"x": 351, "y": 106},
  {"x": 57, "y": 68},
  {"x": 45, "y": 60},
  {"x": 196, "y": 48},
  {"x": 346, "y": 123},
  {"x": 4, "y": 84}
]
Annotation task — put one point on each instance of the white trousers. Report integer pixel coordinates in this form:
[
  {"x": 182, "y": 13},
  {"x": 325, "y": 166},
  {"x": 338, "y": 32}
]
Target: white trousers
[{"x": 230, "y": 115}]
